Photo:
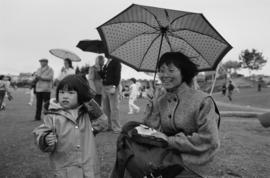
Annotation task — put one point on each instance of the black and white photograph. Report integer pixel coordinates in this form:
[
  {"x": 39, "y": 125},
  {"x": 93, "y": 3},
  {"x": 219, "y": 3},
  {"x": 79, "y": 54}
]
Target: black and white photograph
[{"x": 134, "y": 89}]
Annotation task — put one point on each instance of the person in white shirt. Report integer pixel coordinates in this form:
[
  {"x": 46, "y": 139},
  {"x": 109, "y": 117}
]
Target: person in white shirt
[
  {"x": 66, "y": 70},
  {"x": 133, "y": 95},
  {"x": 4, "y": 90}
]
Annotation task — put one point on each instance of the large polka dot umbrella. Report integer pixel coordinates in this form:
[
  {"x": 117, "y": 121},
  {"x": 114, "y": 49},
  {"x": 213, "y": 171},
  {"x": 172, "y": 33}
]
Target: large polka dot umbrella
[{"x": 139, "y": 35}]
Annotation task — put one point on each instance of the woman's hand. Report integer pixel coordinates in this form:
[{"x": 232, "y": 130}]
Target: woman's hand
[{"x": 160, "y": 135}]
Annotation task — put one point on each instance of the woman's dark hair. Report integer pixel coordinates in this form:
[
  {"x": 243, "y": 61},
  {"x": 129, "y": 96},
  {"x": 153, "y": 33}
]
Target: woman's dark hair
[
  {"x": 182, "y": 62},
  {"x": 1, "y": 77},
  {"x": 77, "y": 83},
  {"x": 69, "y": 62}
]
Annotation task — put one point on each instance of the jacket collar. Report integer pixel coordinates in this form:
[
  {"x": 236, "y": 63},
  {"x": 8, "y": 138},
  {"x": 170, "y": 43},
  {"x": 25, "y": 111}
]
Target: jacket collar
[{"x": 182, "y": 88}]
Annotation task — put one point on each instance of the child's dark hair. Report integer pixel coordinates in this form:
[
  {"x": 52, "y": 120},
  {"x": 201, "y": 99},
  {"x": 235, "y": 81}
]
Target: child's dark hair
[
  {"x": 77, "y": 83},
  {"x": 188, "y": 68}
]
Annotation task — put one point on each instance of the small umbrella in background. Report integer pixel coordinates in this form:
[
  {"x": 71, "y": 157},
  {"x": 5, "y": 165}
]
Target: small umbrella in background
[
  {"x": 95, "y": 46},
  {"x": 139, "y": 35},
  {"x": 63, "y": 54}
]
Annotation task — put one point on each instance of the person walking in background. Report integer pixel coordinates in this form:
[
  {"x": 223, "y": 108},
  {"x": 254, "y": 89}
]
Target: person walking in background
[
  {"x": 32, "y": 90},
  {"x": 260, "y": 84},
  {"x": 111, "y": 75},
  {"x": 230, "y": 90},
  {"x": 4, "y": 89},
  {"x": 68, "y": 130},
  {"x": 133, "y": 95},
  {"x": 44, "y": 77},
  {"x": 94, "y": 78},
  {"x": 66, "y": 70},
  {"x": 223, "y": 89}
]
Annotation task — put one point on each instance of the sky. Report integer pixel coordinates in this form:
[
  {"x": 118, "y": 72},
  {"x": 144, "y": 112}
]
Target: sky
[{"x": 30, "y": 28}]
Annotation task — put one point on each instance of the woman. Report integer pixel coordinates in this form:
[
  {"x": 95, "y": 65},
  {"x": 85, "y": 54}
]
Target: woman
[
  {"x": 187, "y": 118},
  {"x": 95, "y": 80},
  {"x": 66, "y": 70}
]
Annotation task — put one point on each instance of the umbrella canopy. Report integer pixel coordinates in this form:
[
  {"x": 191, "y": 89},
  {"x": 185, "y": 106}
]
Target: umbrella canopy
[
  {"x": 63, "y": 54},
  {"x": 139, "y": 35},
  {"x": 95, "y": 46}
]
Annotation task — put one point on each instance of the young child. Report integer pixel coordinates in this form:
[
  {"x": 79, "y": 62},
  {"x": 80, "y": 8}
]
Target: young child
[
  {"x": 67, "y": 131},
  {"x": 133, "y": 95}
]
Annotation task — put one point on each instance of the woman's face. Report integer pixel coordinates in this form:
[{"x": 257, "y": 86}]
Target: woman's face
[
  {"x": 68, "y": 99},
  {"x": 170, "y": 76}
]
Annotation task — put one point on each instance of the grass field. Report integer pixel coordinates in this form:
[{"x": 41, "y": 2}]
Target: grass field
[
  {"x": 248, "y": 97},
  {"x": 244, "y": 151}
]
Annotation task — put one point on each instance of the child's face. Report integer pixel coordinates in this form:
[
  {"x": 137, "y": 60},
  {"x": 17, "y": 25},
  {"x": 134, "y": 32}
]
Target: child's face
[{"x": 68, "y": 99}]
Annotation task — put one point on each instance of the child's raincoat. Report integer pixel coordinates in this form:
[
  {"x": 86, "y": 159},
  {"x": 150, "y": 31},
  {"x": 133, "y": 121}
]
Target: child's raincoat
[{"x": 74, "y": 155}]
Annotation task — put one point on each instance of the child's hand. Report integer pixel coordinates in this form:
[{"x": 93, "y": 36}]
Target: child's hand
[
  {"x": 51, "y": 139},
  {"x": 94, "y": 109}
]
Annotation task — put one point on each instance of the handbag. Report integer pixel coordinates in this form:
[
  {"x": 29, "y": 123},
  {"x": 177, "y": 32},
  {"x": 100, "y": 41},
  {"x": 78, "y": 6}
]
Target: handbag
[{"x": 145, "y": 156}]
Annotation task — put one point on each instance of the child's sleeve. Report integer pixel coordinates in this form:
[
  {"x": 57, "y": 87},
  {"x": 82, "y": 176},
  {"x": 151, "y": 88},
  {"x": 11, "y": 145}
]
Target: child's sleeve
[
  {"x": 41, "y": 132},
  {"x": 100, "y": 124},
  {"x": 98, "y": 118}
]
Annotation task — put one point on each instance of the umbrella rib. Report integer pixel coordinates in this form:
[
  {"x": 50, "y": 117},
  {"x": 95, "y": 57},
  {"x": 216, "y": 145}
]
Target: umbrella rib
[
  {"x": 145, "y": 33},
  {"x": 148, "y": 49},
  {"x": 178, "y": 37},
  {"x": 152, "y": 15},
  {"x": 168, "y": 41},
  {"x": 186, "y": 29},
  {"x": 181, "y": 17}
]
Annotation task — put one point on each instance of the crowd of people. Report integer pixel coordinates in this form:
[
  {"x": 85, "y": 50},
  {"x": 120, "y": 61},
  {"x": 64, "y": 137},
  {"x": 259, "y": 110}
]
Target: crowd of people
[{"x": 185, "y": 118}]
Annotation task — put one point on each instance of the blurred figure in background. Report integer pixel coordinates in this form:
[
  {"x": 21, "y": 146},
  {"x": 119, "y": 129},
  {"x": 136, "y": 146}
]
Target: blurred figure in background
[
  {"x": 260, "y": 84},
  {"x": 44, "y": 84},
  {"x": 66, "y": 70},
  {"x": 32, "y": 90},
  {"x": 223, "y": 89},
  {"x": 4, "y": 89},
  {"x": 111, "y": 76},
  {"x": 94, "y": 78},
  {"x": 230, "y": 90},
  {"x": 134, "y": 92}
]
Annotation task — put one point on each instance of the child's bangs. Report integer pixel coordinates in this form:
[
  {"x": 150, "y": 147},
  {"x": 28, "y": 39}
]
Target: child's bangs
[
  {"x": 67, "y": 85},
  {"x": 78, "y": 84}
]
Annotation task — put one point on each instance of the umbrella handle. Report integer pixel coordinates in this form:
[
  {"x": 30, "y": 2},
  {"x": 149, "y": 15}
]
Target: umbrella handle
[{"x": 162, "y": 36}]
